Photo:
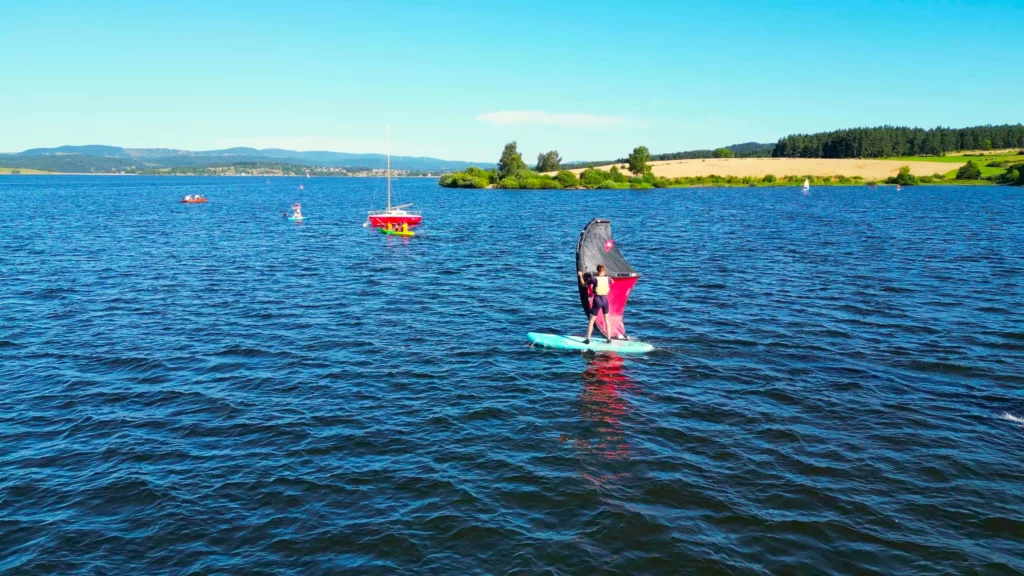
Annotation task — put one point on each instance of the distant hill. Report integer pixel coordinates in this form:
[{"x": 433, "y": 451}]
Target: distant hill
[
  {"x": 744, "y": 150},
  {"x": 91, "y": 150},
  {"x": 98, "y": 158},
  {"x": 752, "y": 148}
]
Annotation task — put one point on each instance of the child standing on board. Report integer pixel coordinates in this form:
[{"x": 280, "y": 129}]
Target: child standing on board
[
  {"x": 601, "y": 285},
  {"x": 296, "y": 211}
]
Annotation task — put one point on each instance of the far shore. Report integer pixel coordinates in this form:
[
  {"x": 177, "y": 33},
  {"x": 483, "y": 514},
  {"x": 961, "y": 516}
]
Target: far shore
[
  {"x": 40, "y": 173},
  {"x": 780, "y": 167}
]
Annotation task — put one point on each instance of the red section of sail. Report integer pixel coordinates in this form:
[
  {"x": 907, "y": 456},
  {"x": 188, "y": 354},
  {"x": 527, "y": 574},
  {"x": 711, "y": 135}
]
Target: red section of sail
[
  {"x": 383, "y": 220},
  {"x": 617, "y": 297}
]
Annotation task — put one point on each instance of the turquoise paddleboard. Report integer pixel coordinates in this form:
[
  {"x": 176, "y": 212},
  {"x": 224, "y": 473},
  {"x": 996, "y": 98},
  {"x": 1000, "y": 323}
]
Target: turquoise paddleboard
[
  {"x": 294, "y": 219},
  {"x": 598, "y": 344}
]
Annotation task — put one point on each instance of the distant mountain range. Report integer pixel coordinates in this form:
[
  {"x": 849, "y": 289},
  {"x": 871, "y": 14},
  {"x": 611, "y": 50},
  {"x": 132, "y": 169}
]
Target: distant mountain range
[{"x": 97, "y": 158}]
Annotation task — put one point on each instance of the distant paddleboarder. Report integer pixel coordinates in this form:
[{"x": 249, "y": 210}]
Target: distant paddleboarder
[{"x": 600, "y": 285}]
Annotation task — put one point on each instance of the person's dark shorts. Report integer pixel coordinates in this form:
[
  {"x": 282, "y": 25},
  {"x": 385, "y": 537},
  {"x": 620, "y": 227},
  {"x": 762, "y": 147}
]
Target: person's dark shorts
[{"x": 600, "y": 303}]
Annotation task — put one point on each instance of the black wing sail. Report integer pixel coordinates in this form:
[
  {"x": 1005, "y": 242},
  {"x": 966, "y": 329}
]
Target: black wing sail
[{"x": 596, "y": 246}]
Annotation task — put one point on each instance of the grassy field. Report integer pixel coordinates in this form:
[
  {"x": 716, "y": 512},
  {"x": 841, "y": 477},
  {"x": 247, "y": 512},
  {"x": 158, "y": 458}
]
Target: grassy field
[
  {"x": 932, "y": 170},
  {"x": 1012, "y": 157},
  {"x": 867, "y": 168},
  {"x": 959, "y": 159},
  {"x": 23, "y": 171}
]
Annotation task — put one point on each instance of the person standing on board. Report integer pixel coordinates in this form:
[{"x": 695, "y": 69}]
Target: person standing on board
[{"x": 600, "y": 285}]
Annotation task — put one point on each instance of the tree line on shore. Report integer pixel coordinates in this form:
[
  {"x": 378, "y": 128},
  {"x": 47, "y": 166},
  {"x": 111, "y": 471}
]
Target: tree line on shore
[
  {"x": 892, "y": 141},
  {"x": 512, "y": 172}
]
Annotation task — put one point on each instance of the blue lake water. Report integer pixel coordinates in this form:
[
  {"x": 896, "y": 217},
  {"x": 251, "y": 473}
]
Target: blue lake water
[{"x": 838, "y": 385}]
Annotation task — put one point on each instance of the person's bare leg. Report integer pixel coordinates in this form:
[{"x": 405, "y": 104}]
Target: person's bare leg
[
  {"x": 606, "y": 331},
  {"x": 603, "y": 331},
  {"x": 590, "y": 326}
]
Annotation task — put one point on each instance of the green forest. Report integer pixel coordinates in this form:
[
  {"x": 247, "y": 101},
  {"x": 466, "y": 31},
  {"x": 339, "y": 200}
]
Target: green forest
[{"x": 891, "y": 141}]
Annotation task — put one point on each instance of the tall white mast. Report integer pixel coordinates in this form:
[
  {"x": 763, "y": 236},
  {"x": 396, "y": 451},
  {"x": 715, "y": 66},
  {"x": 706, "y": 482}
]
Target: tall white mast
[{"x": 389, "y": 167}]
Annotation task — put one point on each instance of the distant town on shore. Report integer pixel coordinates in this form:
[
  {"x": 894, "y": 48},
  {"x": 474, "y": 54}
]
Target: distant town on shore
[{"x": 97, "y": 159}]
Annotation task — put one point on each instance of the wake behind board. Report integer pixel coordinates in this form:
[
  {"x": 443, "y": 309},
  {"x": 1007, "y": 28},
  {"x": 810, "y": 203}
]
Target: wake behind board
[{"x": 598, "y": 344}]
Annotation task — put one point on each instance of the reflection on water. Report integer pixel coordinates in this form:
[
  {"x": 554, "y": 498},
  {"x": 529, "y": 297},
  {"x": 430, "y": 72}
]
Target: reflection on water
[{"x": 604, "y": 403}]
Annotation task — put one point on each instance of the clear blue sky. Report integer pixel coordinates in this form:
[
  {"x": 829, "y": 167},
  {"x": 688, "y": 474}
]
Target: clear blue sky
[{"x": 457, "y": 80}]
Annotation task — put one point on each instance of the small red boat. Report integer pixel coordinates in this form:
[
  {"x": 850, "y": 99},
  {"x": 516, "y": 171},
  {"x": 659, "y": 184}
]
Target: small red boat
[
  {"x": 393, "y": 215},
  {"x": 194, "y": 201}
]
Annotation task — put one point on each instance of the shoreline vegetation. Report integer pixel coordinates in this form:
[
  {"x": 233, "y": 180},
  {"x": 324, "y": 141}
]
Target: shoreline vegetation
[
  {"x": 637, "y": 173},
  {"x": 863, "y": 156}
]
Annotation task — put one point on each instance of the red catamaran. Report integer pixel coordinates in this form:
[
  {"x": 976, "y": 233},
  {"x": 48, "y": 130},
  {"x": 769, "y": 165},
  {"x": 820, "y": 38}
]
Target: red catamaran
[{"x": 393, "y": 215}]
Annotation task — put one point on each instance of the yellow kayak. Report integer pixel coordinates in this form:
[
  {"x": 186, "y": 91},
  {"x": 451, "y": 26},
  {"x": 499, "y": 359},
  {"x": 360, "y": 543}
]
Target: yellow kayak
[{"x": 406, "y": 234}]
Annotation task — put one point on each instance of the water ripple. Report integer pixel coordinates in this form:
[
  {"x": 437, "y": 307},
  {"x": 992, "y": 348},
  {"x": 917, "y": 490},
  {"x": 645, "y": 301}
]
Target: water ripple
[{"x": 837, "y": 385}]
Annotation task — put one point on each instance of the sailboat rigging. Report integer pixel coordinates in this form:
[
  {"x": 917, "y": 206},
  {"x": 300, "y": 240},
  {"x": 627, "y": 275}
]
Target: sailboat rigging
[{"x": 396, "y": 216}]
